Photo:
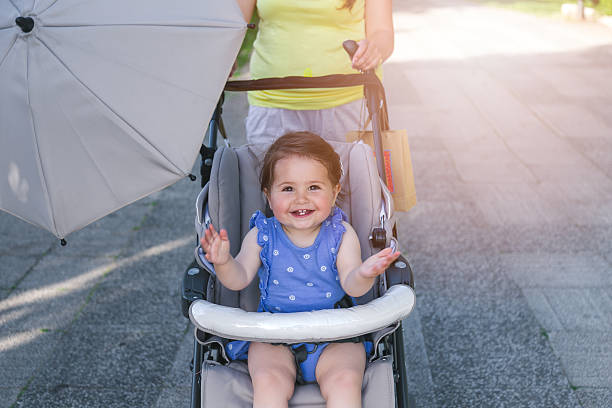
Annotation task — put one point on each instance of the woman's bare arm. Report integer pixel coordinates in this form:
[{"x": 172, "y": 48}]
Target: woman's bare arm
[
  {"x": 378, "y": 44},
  {"x": 247, "y": 7}
]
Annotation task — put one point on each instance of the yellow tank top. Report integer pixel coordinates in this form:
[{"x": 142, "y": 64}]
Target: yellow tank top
[{"x": 304, "y": 38}]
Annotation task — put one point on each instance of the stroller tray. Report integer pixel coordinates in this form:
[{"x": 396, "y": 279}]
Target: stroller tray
[{"x": 317, "y": 326}]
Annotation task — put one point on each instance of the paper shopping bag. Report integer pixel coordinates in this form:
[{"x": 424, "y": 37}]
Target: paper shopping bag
[{"x": 398, "y": 164}]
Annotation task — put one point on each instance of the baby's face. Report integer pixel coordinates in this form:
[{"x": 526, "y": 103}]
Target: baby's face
[{"x": 301, "y": 195}]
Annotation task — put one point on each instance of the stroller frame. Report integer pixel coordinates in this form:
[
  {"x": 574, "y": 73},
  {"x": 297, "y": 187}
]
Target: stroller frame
[{"x": 195, "y": 280}]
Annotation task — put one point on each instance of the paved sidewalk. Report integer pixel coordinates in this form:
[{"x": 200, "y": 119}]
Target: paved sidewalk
[
  {"x": 510, "y": 123},
  {"x": 510, "y": 119}
]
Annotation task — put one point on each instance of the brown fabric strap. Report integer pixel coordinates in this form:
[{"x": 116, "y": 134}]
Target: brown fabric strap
[
  {"x": 328, "y": 81},
  {"x": 298, "y": 82}
]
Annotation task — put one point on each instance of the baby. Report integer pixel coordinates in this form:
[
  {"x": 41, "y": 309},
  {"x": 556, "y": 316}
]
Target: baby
[{"x": 307, "y": 258}]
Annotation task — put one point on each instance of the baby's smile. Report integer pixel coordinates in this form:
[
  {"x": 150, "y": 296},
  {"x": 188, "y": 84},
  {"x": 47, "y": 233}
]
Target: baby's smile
[{"x": 301, "y": 212}]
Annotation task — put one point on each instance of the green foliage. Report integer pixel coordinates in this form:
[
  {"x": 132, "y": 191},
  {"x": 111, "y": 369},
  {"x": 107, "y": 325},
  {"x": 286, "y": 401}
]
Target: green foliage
[
  {"x": 604, "y": 7},
  {"x": 543, "y": 7},
  {"x": 244, "y": 55},
  {"x": 537, "y": 7}
]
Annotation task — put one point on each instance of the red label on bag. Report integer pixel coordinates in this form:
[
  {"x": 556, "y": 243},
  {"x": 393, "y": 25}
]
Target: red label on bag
[{"x": 388, "y": 170}]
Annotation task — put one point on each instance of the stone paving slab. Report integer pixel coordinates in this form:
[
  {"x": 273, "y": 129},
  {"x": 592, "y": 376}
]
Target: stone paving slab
[
  {"x": 561, "y": 270},
  {"x": 462, "y": 273},
  {"x": 575, "y": 342},
  {"x": 597, "y": 149},
  {"x": 602, "y": 109},
  {"x": 576, "y": 311},
  {"x": 505, "y": 397},
  {"x": 175, "y": 396},
  {"x": 440, "y": 238},
  {"x": 514, "y": 204},
  {"x": 420, "y": 383},
  {"x": 18, "y": 363},
  {"x": 593, "y": 397},
  {"x": 490, "y": 347},
  {"x": 432, "y": 167},
  {"x": 574, "y": 126},
  {"x": 107, "y": 236},
  {"x": 177, "y": 387},
  {"x": 568, "y": 173},
  {"x": 62, "y": 396},
  {"x": 489, "y": 167},
  {"x": 587, "y": 370},
  {"x": 148, "y": 350},
  {"x": 20, "y": 237},
  {"x": 24, "y": 311},
  {"x": 584, "y": 204},
  {"x": 59, "y": 274},
  {"x": 9, "y": 393},
  {"x": 601, "y": 298},
  {"x": 13, "y": 269},
  {"x": 540, "y": 239},
  {"x": 542, "y": 309}
]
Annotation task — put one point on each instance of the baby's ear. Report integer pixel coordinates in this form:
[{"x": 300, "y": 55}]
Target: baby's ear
[{"x": 267, "y": 194}]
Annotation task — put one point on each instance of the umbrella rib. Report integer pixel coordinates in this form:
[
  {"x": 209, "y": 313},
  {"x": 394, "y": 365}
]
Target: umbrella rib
[
  {"x": 35, "y": 134},
  {"x": 177, "y": 168},
  {"x": 7, "y": 52},
  {"x": 91, "y": 158},
  {"x": 227, "y": 24},
  {"x": 161, "y": 80},
  {"x": 48, "y": 7},
  {"x": 14, "y": 5}
]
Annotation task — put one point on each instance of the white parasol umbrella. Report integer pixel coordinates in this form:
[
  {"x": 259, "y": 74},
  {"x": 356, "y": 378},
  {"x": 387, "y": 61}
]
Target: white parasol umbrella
[{"x": 103, "y": 102}]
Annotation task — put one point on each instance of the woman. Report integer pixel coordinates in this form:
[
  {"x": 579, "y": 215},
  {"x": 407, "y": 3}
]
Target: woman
[{"x": 304, "y": 38}]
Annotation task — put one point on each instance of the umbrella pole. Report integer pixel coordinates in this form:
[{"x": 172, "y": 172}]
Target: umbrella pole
[
  {"x": 209, "y": 145},
  {"x": 213, "y": 126}
]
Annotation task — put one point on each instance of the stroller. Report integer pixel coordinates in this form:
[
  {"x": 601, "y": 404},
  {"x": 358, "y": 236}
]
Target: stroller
[{"x": 229, "y": 197}]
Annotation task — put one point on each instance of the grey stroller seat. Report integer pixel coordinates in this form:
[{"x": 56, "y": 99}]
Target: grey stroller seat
[{"x": 228, "y": 201}]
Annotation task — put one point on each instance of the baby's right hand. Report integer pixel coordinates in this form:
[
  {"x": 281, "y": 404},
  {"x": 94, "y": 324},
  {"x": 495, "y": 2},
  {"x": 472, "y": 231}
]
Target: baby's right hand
[{"x": 216, "y": 246}]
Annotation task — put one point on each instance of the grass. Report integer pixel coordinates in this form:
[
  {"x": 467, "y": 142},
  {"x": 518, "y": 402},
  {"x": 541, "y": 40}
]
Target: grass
[
  {"x": 537, "y": 7},
  {"x": 21, "y": 392}
]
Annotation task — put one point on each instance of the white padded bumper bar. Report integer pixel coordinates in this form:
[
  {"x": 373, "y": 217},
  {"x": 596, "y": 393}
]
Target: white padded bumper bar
[{"x": 318, "y": 326}]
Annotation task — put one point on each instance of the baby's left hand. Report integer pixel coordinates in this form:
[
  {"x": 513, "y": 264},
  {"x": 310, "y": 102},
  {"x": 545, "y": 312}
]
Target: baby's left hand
[{"x": 378, "y": 263}]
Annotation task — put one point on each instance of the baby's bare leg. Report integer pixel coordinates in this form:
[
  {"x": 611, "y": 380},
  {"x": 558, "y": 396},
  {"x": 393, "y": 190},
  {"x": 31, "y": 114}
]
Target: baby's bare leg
[
  {"x": 340, "y": 374},
  {"x": 272, "y": 370}
]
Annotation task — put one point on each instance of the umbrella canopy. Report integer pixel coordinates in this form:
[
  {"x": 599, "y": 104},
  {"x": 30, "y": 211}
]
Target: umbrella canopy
[{"x": 103, "y": 102}]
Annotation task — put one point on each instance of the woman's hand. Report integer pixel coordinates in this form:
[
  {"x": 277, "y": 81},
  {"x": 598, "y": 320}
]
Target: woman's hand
[
  {"x": 216, "y": 246},
  {"x": 378, "y": 263},
  {"x": 367, "y": 56}
]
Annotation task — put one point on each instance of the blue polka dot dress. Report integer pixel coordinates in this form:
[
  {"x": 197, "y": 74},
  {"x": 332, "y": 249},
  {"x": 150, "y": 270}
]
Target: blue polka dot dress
[{"x": 294, "y": 279}]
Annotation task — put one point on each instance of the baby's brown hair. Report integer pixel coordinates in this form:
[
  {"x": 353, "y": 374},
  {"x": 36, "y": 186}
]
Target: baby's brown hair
[{"x": 304, "y": 144}]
